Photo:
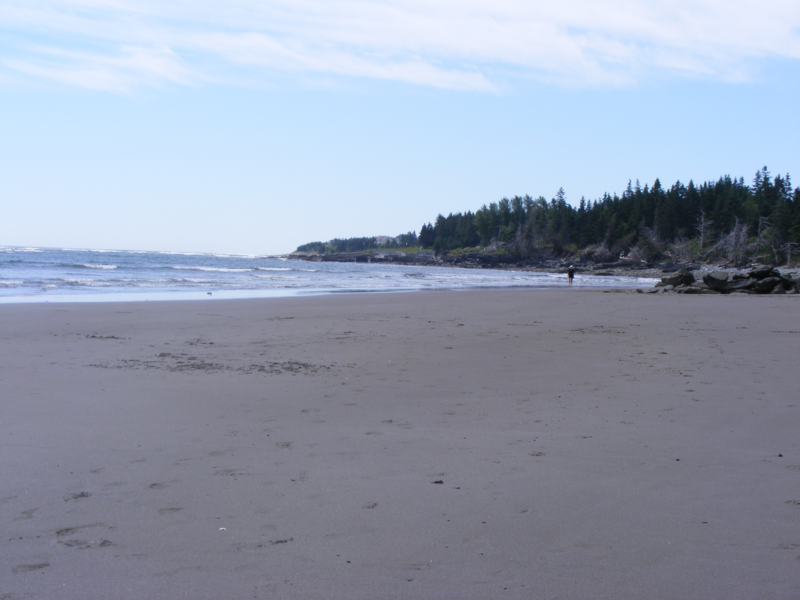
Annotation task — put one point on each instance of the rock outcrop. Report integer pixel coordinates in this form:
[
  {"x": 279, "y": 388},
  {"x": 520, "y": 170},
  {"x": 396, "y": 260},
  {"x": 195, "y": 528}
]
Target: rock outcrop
[{"x": 762, "y": 280}]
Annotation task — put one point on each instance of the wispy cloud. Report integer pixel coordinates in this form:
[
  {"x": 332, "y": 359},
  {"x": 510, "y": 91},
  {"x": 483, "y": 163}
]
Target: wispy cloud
[{"x": 119, "y": 45}]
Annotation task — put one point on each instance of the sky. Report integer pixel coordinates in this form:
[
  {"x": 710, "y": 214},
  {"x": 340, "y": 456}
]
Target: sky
[{"x": 251, "y": 127}]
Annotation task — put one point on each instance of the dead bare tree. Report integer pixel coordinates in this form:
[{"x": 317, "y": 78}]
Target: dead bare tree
[
  {"x": 763, "y": 227},
  {"x": 733, "y": 243},
  {"x": 703, "y": 225},
  {"x": 789, "y": 249}
]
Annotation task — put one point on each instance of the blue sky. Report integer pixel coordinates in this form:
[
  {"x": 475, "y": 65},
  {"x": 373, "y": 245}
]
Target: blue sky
[{"x": 252, "y": 127}]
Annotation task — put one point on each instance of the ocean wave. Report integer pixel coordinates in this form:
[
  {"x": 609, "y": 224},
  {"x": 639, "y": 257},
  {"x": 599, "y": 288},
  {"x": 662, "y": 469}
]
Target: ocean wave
[
  {"x": 13, "y": 249},
  {"x": 86, "y": 266},
  {"x": 212, "y": 269},
  {"x": 10, "y": 283},
  {"x": 273, "y": 268},
  {"x": 173, "y": 253},
  {"x": 233, "y": 255}
]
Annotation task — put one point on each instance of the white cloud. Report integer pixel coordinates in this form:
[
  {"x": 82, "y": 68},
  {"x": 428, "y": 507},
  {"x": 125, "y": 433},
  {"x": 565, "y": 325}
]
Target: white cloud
[
  {"x": 454, "y": 44},
  {"x": 121, "y": 72}
]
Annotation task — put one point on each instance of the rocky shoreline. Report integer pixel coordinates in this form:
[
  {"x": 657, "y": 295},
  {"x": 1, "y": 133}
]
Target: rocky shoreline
[
  {"x": 761, "y": 280},
  {"x": 511, "y": 262}
]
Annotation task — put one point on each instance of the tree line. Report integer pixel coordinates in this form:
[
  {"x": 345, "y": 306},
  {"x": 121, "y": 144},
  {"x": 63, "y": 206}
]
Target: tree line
[
  {"x": 727, "y": 215},
  {"x": 359, "y": 244}
]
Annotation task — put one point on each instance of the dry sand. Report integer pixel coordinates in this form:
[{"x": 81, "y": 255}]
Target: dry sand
[{"x": 482, "y": 444}]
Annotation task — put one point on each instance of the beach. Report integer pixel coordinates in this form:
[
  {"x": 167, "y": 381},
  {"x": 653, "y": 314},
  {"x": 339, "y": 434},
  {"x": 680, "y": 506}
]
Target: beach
[{"x": 518, "y": 443}]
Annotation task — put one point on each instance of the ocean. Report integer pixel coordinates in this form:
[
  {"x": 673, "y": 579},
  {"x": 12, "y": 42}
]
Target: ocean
[{"x": 74, "y": 275}]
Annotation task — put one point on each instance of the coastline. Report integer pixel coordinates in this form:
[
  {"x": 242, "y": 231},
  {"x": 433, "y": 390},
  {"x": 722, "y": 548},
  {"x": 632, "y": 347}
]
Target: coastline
[
  {"x": 588, "y": 445},
  {"x": 510, "y": 262}
]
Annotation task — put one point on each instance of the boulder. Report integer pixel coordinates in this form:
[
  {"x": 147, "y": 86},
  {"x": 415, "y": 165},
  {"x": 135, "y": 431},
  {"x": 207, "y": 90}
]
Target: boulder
[
  {"x": 740, "y": 284},
  {"x": 763, "y": 273},
  {"x": 717, "y": 280},
  {"x": 790, "y": 284},
  {"x": 778, "y": 289},
  {"x": 681, "y": 277},
  {"x": 764, "y": 286}
]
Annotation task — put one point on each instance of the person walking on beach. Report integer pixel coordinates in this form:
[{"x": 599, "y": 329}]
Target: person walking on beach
[{"x": 570, "y": 274}]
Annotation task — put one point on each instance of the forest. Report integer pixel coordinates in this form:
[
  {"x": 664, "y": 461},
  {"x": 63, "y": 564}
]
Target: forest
[{"x": 727, "y": 218}]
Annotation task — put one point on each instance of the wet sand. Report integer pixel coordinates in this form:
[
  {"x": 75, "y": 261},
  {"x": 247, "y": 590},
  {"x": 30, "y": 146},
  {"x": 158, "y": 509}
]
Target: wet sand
[{"x": 481, "y": 444}]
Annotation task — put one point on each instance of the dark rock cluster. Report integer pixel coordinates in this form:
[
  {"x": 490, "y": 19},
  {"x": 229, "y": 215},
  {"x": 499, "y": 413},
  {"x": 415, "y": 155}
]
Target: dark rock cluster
[{"x": 762, "y": 280}]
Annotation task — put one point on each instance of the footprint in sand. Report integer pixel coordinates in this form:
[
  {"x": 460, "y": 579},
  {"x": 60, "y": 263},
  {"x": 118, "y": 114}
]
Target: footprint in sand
[
  {"x": 26, "y": 514},
  {"x": 277, "y": 542},
  {"x": 70, "y": 530},
  {"x": 83, "y": 544},
  {"x": 78, "y": 496},
  {"x": 169, "y": 511},
  {"x": 28, "y": 568}
]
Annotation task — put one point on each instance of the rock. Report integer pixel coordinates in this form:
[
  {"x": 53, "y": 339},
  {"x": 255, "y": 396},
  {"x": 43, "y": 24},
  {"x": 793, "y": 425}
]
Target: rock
[
  {"x": 764, "y": 286},
  {"x": 778, "y": 289},
  {"x": 790, "y": 284},
  {"x": 682, "y": 277},
  {"x": 763, "y": 273},
  {"x": 699, "y": 285},
  {"x": 740, "y": 284},
  {"x": 717, "y": 280},
  {"x": 668, "y": 288}
]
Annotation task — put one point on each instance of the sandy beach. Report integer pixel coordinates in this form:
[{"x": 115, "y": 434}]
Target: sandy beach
[{"x": 480, "y": 444}]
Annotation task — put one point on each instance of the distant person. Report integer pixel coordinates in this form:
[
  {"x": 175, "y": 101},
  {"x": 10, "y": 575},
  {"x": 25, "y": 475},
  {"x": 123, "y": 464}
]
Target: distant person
[{"x": 571, "y": 274}]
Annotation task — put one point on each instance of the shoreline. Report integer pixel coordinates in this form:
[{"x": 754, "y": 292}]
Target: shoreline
[
  {"x": 272, "y": 294},
  {"x": 479, "y": 260}
]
